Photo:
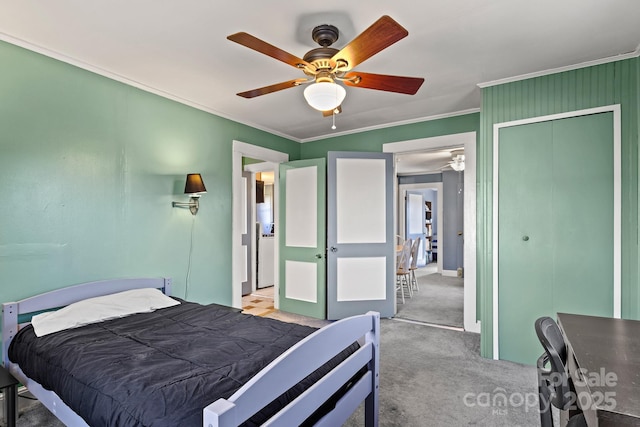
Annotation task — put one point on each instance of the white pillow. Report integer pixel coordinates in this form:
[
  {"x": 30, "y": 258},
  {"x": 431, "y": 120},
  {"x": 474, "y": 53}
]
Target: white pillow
[{"x": 97, "y": 309}]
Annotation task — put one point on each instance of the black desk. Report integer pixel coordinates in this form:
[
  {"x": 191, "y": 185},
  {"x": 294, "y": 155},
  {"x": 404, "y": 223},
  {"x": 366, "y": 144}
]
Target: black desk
[
  {"x": 603, "y": 359},
  {"x": 9, "y": 384}
]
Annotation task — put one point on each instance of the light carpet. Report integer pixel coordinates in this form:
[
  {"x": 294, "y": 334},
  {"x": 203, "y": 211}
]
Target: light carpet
[
  {"x": 439, "y": 301},
  {"x": 436, "y": 377}
]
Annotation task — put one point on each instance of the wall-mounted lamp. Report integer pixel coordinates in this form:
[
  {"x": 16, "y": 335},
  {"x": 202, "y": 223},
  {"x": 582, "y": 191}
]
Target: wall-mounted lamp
[{"x": 194, "y": 187}]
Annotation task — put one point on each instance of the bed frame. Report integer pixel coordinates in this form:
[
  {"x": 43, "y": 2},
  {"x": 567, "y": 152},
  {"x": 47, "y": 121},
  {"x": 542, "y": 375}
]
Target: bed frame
[{"x": 287, "y": 370}]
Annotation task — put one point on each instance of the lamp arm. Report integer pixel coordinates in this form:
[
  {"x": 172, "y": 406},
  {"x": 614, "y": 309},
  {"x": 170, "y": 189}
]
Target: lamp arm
[{"x": 193, "y": 204}]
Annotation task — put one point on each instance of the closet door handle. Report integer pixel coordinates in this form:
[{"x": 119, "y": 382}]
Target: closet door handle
[
  {"x": 525, "y": 238},
  {"x": 333, "y": 249}
]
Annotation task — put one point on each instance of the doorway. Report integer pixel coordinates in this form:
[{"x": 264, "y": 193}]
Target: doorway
[
  {"x": 261, "y": 229},
  {"x": 468, "y": 141},
  {"x": 438, "y": 297},
  {"x": 432, "y": 244},
  {"x": 239, "y": 265}
]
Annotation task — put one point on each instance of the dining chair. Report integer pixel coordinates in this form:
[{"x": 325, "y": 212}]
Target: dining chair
[
  {"x": 414, "y": 264},
  {"x": 403, "y": 279},
  {"x": 554, "y": 384}
]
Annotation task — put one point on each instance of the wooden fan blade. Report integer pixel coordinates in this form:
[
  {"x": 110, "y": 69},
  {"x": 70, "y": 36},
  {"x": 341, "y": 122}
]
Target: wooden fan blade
[
  {"x": 399, "y": 84},
  {"x": 329, "y": 113},
  {"x": 380, "y": 35},
  {"x": 273, "y": 88},
  {"x": 263, "y": 47}
]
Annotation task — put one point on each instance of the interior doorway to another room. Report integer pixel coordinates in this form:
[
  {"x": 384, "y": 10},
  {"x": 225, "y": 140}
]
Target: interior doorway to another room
[
  {"x": 245, "y": 259},
  {"x": 438, "y": 296},
  {"x": 428, "y": 198},
  {"x": 448, "y": 146},
  {"x": 265, "y": 229},
  {"x": 260, "y": 239}
]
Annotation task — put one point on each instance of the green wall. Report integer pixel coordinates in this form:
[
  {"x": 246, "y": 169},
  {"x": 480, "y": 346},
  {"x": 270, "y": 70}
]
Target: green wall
[
  {"x": 89, "y": 168},
  {"x": 607, "y": 84},
  {"x": 373, "y": 140}
]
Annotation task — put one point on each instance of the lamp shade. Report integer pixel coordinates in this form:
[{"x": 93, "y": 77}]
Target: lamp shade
[
  {"x": 324, "y": 96},
  {"x": 194, "y": 184}
]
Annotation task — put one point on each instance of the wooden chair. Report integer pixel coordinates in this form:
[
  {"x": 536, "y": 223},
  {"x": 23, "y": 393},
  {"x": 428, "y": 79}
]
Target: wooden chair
[
  {"x": 414, "y": 265},
  {"x": 403, "y": 272}
]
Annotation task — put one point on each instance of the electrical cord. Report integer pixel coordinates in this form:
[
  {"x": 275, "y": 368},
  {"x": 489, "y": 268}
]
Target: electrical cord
[{"x": 186, "y": 281}]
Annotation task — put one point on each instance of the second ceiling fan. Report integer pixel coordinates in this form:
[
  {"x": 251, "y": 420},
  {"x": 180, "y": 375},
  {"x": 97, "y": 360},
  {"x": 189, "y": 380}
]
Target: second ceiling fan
[{"x": 325, "y": 66}]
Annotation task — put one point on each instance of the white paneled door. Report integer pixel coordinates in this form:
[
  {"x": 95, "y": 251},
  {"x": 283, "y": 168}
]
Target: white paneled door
[
  {"x": 360, "y": 237},
  {"x": 303, "y": 237}
]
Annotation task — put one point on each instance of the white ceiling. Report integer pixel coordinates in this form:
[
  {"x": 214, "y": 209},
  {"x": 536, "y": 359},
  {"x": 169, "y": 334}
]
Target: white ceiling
[{"x": 179, "y": 49}]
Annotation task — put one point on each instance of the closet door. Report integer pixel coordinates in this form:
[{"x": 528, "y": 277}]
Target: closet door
[{"x": 555, "y": 226}]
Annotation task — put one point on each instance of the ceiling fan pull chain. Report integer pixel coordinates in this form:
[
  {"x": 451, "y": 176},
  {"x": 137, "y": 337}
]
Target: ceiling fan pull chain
[{"x": 334, "y": 119}]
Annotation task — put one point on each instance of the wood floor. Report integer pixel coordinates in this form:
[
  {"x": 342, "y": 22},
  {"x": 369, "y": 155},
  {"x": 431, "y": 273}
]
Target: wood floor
[{"x": 259, "y": 303}]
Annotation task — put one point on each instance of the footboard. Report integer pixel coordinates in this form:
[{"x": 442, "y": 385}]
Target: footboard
[
  {"x": 300, "y": 361},
  {"x": 359, "y": 369}
]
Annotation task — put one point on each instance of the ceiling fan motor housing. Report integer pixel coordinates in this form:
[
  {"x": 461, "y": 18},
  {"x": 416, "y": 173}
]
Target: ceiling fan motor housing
[
  {"x": 325, "y": 35},
  {"x": 320, "y": 53}
]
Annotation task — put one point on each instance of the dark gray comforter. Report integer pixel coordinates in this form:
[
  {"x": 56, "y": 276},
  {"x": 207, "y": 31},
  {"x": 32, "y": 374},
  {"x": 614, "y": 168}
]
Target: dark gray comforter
[{"x": 156, "y": 369}]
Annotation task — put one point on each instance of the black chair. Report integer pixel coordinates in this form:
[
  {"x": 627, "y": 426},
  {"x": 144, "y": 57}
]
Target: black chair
[{"x": 554, "y": 384}]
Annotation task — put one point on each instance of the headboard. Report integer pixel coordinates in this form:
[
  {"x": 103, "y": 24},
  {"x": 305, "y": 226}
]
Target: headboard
[{"x": 64, "y": 296}]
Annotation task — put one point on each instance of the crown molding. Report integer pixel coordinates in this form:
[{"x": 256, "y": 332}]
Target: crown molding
[
  {"x": 621, "y": 57},
  {"x": 388, "y": 125},
  {"x": 130, "y": 82}
]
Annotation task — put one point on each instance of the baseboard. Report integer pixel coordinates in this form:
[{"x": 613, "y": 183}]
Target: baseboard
[
  {"x": 473, "y": 327},
  {"x": 450, "y": 273}
]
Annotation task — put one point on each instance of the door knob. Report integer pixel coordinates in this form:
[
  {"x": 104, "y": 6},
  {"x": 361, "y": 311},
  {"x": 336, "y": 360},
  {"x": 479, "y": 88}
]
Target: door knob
[
  {"x": 333, "y": 249},
  {"x": 525, "y": 238},
  {"x": 319, "y": 256}
]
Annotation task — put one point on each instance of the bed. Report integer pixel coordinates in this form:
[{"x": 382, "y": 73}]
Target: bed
[{"x": 306, "y": 377}]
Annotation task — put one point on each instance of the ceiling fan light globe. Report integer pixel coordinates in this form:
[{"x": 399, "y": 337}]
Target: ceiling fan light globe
[{"x": 324, "y": 96}]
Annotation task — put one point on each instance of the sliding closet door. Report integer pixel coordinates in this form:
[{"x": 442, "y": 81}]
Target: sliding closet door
[{"x": 555, "y": 226}]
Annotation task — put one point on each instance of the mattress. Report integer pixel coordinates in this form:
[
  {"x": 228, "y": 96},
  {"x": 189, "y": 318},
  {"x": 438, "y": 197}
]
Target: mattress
[{"x": 161, "y": 368}]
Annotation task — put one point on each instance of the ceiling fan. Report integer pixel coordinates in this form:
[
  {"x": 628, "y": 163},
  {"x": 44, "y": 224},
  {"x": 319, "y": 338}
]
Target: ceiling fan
[
  {"x": 457, "y": 161},
  {"x": 325, "y": 66}
]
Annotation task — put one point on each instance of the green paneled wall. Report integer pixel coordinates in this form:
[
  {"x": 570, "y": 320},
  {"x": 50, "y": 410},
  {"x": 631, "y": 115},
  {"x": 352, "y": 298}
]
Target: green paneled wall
[
  {"x": 88, "y": 169},
  {"x": 607, "y": 84}
]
